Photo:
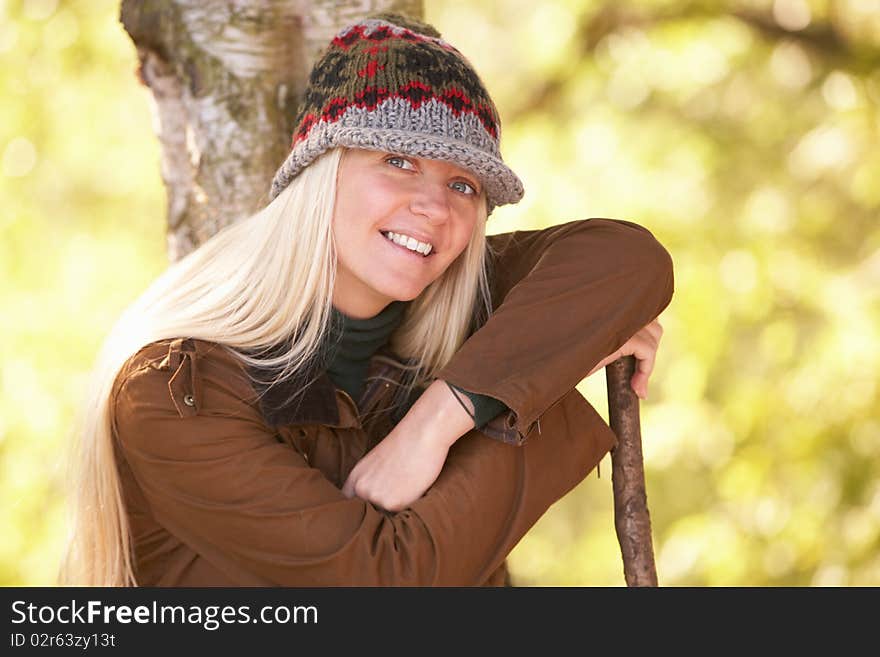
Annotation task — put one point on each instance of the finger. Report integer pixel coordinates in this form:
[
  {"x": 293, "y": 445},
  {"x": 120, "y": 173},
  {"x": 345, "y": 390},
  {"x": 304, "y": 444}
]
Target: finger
[
  {"x": 655, "y": 330},
  {"x": 639, "y": 381},
  {"x": 648, "y": 338},
  {"x": 638, "y": 344},
  {"x": 637, "y": 347},
  {"x": 348, "y": 488},
  {"x": 645, "y": 356},
  {"x": 394, "y": 507},
  {"x": 646, "y": 359},
  {"x": 353, "y": 479},
  {"x": 641, "y": 345},
  {"x": 645, "y": 341},
  {"x": 639, "y": 385}
]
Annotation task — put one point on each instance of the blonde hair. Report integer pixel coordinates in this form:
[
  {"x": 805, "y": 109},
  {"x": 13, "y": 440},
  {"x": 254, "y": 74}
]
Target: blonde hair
[{"x": 235, "y": 290}]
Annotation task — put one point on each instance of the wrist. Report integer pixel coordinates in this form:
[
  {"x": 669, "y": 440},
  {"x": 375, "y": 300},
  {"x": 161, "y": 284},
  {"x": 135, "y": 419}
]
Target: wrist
[{"x": 438, "y": 415}]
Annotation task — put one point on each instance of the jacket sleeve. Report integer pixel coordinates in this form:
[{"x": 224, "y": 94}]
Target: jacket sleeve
[
  {"x": 564, "y": 298},
  {"x": 215, "y": 476}
]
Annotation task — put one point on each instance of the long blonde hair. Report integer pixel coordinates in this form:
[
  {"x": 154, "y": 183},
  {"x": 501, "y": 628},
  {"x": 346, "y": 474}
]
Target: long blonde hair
[{"x": 235, "y": 290}]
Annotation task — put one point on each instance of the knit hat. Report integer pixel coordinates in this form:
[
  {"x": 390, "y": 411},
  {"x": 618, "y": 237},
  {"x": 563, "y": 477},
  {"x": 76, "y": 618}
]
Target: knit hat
[{"x": 391, "y": 83}]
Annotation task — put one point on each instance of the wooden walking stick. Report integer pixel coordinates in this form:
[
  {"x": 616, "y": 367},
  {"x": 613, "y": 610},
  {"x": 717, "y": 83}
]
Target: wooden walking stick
[{"x": 631, "y": 519}]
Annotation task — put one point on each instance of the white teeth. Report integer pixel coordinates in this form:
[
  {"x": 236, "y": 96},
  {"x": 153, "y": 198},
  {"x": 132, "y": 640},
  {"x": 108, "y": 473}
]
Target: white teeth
[{"x": 409, "y": 242}]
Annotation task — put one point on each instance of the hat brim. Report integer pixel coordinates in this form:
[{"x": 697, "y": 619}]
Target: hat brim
[{"x": 502, "y": 185}]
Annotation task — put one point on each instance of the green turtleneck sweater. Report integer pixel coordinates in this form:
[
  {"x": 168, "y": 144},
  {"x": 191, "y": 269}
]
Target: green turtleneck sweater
[{"x": 354, "y": 341}]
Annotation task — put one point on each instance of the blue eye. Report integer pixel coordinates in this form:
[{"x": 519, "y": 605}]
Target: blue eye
[
  {"x": 391, "y": 159},
  {"x": 466, "y": 188}
]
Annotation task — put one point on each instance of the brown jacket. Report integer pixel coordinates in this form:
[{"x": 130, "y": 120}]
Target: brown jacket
[{"x": 220, "y": 494}]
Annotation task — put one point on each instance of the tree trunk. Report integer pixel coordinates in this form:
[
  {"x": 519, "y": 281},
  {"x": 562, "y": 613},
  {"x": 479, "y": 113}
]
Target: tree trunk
[{"x": 227, "y": 78}]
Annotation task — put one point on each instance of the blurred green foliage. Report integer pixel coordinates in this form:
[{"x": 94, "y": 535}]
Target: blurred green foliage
[{"x": 744, "y": 135}]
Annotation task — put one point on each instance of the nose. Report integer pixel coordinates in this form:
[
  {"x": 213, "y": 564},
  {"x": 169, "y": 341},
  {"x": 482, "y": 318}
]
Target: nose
[{"x": 431, "y": 201}]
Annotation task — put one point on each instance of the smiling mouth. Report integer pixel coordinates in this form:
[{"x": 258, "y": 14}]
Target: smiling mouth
[{"x": 410, "y": 251}]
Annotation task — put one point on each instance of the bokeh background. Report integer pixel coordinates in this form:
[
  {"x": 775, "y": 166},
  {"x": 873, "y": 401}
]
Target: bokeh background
[{"x": 744, "y": 135}]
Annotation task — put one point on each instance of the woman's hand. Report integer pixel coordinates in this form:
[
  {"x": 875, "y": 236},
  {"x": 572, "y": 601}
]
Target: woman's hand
[
  {"x": 397, "y": 471},
  {"x": 643, "y": 345}
]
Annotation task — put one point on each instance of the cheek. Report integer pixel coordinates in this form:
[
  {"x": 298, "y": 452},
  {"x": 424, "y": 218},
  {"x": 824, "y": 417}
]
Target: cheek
[
  {"x": 461, "y": 239},
  {"x": 359, "y": 208},
  {"x": 345, "y": 232},
  {"x": 371, "y": 209},
  {"x": 466, "y": 230}
]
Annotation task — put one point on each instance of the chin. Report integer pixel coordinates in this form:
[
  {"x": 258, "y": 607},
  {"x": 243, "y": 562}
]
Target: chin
[
  {"x": 405, "y": 296},
  {"x": 399, "y": 292}
]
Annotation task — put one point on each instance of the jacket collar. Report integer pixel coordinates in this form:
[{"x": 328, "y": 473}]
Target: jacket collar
[{"x": 319, "y": 401}]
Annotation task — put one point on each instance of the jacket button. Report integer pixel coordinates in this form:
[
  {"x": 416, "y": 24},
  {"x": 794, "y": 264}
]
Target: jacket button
[{"x": 189, "y": 400}]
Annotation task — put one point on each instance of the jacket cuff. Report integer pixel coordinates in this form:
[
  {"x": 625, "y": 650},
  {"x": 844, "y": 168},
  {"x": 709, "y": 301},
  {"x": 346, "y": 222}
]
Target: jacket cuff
[{"x": 485, "y": 407}]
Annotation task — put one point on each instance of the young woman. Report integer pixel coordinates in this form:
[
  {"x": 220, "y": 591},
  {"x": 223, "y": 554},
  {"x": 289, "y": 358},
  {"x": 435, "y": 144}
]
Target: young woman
[{"x": 356, "y": 386}]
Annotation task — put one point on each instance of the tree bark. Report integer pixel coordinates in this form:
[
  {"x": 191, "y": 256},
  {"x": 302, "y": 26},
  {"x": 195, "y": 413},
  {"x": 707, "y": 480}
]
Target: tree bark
[
  {"x": 227, "y": 78},
  {"x": 631, "y": 519}
]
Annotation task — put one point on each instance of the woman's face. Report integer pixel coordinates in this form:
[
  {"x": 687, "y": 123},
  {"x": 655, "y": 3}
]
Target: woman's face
[{"x": 431, "y": 201}]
